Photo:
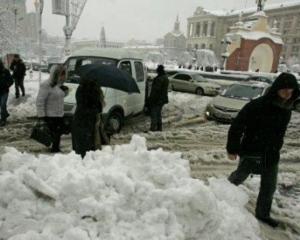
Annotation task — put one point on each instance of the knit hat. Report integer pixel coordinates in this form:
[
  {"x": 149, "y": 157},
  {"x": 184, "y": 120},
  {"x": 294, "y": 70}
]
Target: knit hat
[{"x": 285, "y": 81}]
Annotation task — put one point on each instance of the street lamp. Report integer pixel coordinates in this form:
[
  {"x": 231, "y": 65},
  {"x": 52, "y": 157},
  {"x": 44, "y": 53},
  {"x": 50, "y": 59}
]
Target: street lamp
[{"x": 39, "y": 5}]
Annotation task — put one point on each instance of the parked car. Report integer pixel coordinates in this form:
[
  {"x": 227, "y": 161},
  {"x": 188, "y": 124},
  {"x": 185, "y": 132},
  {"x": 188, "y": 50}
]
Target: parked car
[
  {"x": 118, "y": 104},
  {"x": 225, "y": 107},
  {"x": 264, "y": 79},
  {"x": 193, "y": 82}
]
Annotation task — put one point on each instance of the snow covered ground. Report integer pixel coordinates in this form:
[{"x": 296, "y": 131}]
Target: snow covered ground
[{"x": 169, "y": 185}]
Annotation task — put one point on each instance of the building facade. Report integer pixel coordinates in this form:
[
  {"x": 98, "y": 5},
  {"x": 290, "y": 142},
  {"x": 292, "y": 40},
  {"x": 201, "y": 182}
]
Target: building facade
[{"x": 206, "y": 29}]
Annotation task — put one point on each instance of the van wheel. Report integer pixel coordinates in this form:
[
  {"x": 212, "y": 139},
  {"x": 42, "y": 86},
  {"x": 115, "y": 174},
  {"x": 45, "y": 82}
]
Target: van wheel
[
  {"x": 199, "y": 91},
  {"x": 115, "y": 122}
]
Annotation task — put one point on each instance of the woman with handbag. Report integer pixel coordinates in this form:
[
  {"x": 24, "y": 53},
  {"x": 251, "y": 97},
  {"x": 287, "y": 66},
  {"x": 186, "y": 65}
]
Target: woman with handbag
[
  {"x": 87, "y": 129},
  {"x": 50, "y": 104}
]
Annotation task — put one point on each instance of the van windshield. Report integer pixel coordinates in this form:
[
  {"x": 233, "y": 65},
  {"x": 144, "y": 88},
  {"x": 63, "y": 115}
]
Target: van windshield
[
  {"x": 243, "y": 92},
  {"x": 73, "y": 64}
]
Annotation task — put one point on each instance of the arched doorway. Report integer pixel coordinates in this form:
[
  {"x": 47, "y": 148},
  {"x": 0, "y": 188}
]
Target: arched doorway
[{"x": 261, "y": 58}]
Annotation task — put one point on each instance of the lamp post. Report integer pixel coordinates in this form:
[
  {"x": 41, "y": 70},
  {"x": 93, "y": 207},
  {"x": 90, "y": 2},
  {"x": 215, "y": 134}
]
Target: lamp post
[
  {"x": 39, "y": 5},
  {"x": 227, "y": 41}
]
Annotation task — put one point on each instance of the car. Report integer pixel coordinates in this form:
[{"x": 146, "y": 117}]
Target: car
[
  {"x": 225, "y": 107},
  {"x": 194, "y": 83},
  {"x": 264, "y": 79},
  {"x": 118, "y": 104}
]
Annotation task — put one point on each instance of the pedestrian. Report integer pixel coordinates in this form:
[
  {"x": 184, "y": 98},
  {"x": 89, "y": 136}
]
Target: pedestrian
[
  {"x": 87, "y": 127},
  {"x": 5, "y": 82},
  {"x": 256, "y": 136},
  {"x": 19, "y": 71},
  {"x": 158, "y": 98},
  {"x": 50, "y": 104}
]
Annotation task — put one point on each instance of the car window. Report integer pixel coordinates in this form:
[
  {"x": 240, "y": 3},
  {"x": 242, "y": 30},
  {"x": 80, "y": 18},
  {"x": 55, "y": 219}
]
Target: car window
[
  {"x": 126, "y": 66},
  {"x": 183, "y": 77},
  {"x": 139, "y": 69},
  {"x": 73, "y": 65},
  {"x": 171, "y": 73},
  {"x": 243, "y": 92},
  {"x": 199, "y": 78}
]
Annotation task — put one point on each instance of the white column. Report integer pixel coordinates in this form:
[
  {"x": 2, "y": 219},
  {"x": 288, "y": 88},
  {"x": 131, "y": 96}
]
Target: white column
[
  {"x": 201, "y": 29},
  {"x": 208, "y": 28}
]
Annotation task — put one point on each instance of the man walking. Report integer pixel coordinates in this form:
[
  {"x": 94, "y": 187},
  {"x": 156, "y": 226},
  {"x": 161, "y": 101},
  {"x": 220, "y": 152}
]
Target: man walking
[
  {"x": 256, "y": 136},
  {"x": 158, "y": 97},
  {"x": 5, "y": 82},
  {"x": 19, "y": 72}
]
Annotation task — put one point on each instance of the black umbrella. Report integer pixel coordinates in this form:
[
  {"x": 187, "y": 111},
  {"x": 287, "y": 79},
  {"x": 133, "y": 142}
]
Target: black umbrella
[{"x": 110, "y": 76}]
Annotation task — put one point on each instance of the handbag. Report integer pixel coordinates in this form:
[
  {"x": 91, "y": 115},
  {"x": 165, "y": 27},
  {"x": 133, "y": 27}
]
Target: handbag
[{"x": 41, "y": 133}]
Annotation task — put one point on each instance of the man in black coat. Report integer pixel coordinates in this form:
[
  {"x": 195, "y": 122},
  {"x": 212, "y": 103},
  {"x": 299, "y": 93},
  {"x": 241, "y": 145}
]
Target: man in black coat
[
  {"x": 5, "y": 82},
  {"x": 158, "y": 98},
  {"x": 256, "y": 136},
  {"x": 19, "y": 72}
]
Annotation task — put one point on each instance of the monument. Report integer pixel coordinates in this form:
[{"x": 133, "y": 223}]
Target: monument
[{"x": 254, "y": 45}]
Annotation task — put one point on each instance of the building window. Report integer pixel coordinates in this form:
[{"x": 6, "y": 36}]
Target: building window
[
  {"x": 198, "y": 28},
  {"x": 205, "y": 28},
  {"x": 196, "y": 46},
  {"x": 211, "y": 46},
  {"x": 203, "y": 46},
  {"x": 212, "y": 29}
]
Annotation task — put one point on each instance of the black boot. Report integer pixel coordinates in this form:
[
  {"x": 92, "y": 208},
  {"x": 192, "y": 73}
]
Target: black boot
[
  {"x": 268, "y": 220},
  {"x": 2, "y": 123}
]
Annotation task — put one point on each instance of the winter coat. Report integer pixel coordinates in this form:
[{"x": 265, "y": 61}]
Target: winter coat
[
  {"x": 260, "y": 126},
  {"x": 159, "y": 91},
  {"x": 18, "y": 68},
  {"x": 50, "y": 100},
  {"x": 89, "y": 100},
  {"x": 5, "y": 81}
]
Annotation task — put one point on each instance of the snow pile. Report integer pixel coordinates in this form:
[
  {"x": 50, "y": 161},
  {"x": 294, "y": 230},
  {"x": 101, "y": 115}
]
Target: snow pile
[
  {"x": 186, "y": 105},
  {"x": 123, "y": 193}
]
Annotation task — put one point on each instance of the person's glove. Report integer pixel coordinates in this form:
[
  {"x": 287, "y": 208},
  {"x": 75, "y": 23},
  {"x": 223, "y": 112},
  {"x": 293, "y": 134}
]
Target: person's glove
[{"x": 65, "y": 89}]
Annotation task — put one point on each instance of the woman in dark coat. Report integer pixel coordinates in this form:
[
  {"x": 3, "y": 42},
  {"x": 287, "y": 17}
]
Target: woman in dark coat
[
  {"x": 256, "y": 136},
  {"x": 90, "y": 102}
]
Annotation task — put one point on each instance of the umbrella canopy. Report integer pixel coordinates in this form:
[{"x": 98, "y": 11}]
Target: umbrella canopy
[{"x": 110, "y": 76}]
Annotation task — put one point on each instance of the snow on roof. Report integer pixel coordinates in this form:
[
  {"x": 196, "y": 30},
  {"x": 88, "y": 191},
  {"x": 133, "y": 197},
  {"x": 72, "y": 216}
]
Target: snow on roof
[
  {"x": 115, "y": 53},
  {"x": 268, "y": 7},
  {"x": 259, "y": 35}
]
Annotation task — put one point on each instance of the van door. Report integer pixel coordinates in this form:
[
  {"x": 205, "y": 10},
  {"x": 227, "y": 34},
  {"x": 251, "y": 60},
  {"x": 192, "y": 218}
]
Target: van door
[
  {"x": 135, "y": 101},
  {"x": 140, "y": 77},
  {"x": 126, "y": 65}
]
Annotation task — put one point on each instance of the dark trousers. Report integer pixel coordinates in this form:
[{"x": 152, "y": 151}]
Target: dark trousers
[
  {"x": 268, "y": 181},
  {"x": 19, "y": 84},
  {"x": 156, "y": 118},
  {"x": 56, "y": 126},
  {"x": 3, "y": 106}
]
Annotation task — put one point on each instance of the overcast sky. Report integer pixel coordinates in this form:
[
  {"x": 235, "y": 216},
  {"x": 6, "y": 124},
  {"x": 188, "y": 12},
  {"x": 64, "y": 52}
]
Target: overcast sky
[{"x": 138, "y": 19}]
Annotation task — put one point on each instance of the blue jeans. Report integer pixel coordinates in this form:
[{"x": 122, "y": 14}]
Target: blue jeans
[{"x": 3, "y": 106}]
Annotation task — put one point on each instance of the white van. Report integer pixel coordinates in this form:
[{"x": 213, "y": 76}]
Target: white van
[{"x": 119, "y": 104}]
